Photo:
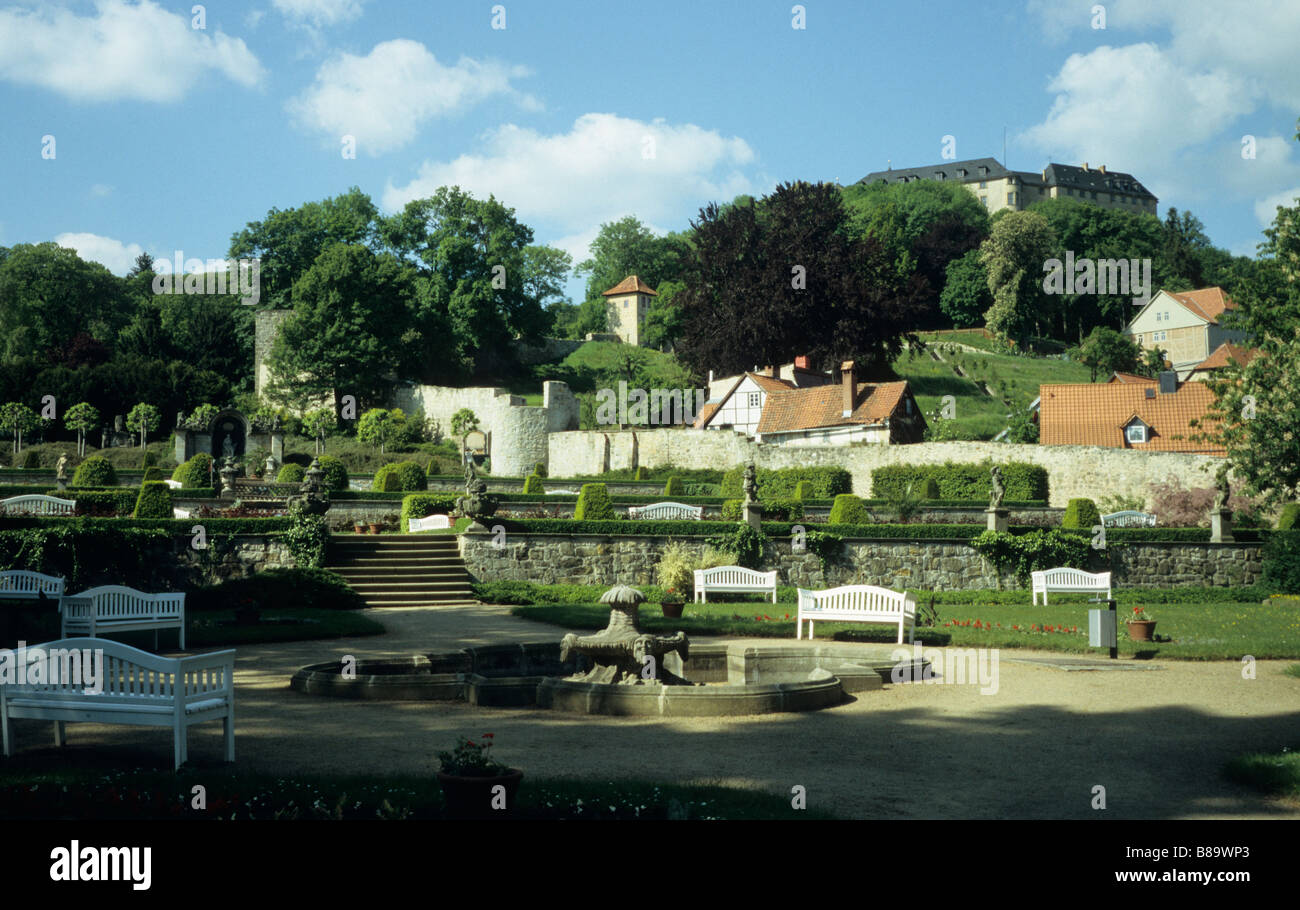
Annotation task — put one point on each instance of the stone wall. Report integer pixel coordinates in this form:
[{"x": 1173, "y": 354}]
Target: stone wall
[
  {"x": 1073, "y": 471},
  {"x": 940, "y": 565},
  {"x": 518, "y": 431}
]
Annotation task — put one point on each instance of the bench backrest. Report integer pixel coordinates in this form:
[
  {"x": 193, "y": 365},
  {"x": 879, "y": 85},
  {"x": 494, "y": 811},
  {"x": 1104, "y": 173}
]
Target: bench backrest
[
  {"x": 733, "y": 575},
  {"x": 1129, "y": 518},
  {"x": 129, "y": 674},
  {"x": 21, "y": 583},
  {"x": 667, "y": 510},
  {"x": 38, "y": 504},
  {"x": 428, "y": 523},
  {"x": 1073, "y": 578},
  {"x": 118, "y": 602},
  {"x": 864, "y": 599}
]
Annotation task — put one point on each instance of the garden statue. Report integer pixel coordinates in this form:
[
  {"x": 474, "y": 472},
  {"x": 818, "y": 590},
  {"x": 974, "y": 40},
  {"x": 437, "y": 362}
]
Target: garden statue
[
  {"x": 621, "y": 653},
  {"x": 227, "y": 448},
  {"x": 229, "y": 471},
  {"x": 475, "y": 504},
  {"x": 119, "y": 424},
  {"x": 750, "y": 484},
  {"x": 314, "y": 498},
  {"x": 61, "y": 468},
  {"x": 268, "y": 471},
  {"x": 1224, "y": 490},
  {"x": 998, "y": 491}
]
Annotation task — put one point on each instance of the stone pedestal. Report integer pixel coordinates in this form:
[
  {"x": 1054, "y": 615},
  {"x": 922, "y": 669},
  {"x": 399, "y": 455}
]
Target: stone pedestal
[
  {"x": 754, "y": 515},
  {"x": 1221, "y": 526},
  {"x": 998, "y": 519}
]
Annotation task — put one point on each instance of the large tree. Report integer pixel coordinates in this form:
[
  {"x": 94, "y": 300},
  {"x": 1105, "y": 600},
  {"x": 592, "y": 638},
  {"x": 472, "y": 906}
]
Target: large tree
[
  {"x": 1013, "y": 256},
  {"x": 49, "y": 295},
  {"x": 351, "y": 330},
  {"x": 785, "y": 277},
  {"x": 1106, "y": 351},
  {"x": 966, "y": 298},
  {"x": 627, "y": 247}
]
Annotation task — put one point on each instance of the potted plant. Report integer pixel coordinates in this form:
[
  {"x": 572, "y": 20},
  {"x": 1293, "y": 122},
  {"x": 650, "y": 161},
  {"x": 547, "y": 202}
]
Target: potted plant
[
  {"x": 1141, "y": 625},
  {"x": 359, "y": 526},
  {"x": 376, "y": 527},
  {"x": 676, "y": 573},
  {"x": 672, "y": 604},
  {"x": 469, "y": 778}
]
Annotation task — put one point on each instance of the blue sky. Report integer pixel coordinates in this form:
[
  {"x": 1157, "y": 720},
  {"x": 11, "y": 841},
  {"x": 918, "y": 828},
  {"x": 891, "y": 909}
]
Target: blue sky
[{"x": 575, "y": 113}]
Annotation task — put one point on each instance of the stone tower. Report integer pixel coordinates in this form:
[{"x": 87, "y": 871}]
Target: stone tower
[{"x": 626, "y": 304}]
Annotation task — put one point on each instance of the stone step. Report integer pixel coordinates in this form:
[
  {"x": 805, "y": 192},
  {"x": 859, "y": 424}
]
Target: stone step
[
  {"x": 387, "y": 562},
  {"x": 367, "y": 587},
  {"x": 404, "y": 574}
]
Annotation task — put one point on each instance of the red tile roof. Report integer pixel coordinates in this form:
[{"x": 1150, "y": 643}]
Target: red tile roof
[
  {"x": 630, "y": 285},
  {"x": 823, "y": 406},
  {"x": 1090, "y": 414},
  {"x": 710, "y": 408},
  {"x": 1208, "y": 303},
  {"x": 1219, "y": 359},
  {"x": 1117, "y": 376}
]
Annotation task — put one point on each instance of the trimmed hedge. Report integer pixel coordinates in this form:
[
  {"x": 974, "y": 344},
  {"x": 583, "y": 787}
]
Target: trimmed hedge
[
  {"x": 825, "y": 483},
  {"x": 117, "y": 501},
  {"x": 848, "y": 510},
  {"x": 777, "y": 510},
  {"x": 803, "y": 490},
  {"x": 1290, "y": 514},
  {"x": 151, "y": 473},
  {"x": 674, "y": 487},
  {"x": 95, "y": 471},
  {"x": 418, "y": 505},
  {"x": 773, "y": 529},
  {"x": 317, "y": 589},
  {"x": 593, "y": 503},
  {"x": 155, "y": 501},
  {"x": 335, "y": 472},
  {"x": 968, "y": 481},
  {"x": 291, "y": 473},
  {"x": 1282, "y": 562},
  {"x": 534, "y": 485},
  {"x": 194, "y": 473},
  {"x": 400, "y": 475},
  {"x": 178, "y": 526},
  {"x": 1081, "y": 513}
]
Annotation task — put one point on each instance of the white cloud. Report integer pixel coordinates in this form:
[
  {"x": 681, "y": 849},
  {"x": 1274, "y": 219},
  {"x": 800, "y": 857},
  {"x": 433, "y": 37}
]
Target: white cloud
[
  {"x": 114, "y": 255},
  {"x": 594, "y": 173},
  {"x": 99, "y": 190},
  {"x": 140, "y": 52},
  {"x": 1266, "y": 208},
  {"x": 385, "y": 97},
  {"x": 319, "y": 13}
]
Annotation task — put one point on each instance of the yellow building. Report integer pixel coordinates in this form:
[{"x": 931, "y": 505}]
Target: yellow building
[
  {"x": 1185, "y": 325},
  {"x": 626, "y": 305},
  {"x": 998, "y": 188}
]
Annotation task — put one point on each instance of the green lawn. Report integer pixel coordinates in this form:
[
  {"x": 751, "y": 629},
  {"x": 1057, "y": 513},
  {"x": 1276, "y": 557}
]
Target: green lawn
[
  {"x": 28, "y": 791},
  {"x": 1210, "y": 630},
  {"x": 1276, "y": 773}
]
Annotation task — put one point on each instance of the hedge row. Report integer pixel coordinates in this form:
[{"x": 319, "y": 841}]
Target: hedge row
[
  {"x": 418, "y": 505},
  {"x": 317, "y": 589},
  {"x": 782, "y": 483},
  {"x": 773, "y": 529},
  {"x": 966, "y": 481},
  {"x": 174, "y": 525}
]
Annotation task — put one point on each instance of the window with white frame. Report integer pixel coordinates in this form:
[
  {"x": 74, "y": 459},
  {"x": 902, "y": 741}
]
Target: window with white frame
[
  {"x": 1136, "y": 432},
  {"x": 755, "y": 400}
]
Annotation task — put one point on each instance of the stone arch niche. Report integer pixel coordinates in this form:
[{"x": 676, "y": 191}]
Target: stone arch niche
[
  {"x": 244, "y": 436},
  {"x": 228, "y": 435}
]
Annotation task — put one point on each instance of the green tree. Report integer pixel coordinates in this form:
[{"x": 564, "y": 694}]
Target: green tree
[
  {"x": 1013, "y": 255},
  {"x": 83, "y": 418},
  {"x": 50, "y": 296},
  {"x": 462, "y": 422},
  {"x": 664, "y": 320},
  {"x": 143, "y": 419},
  {"x": 627, "y": 247},
  {"x": 1153, "y": 362},
  {"x": 350, "y": 332},
  {"x": 317, "y": 422},
  {"x": 18, "y": 419},
  {"x": 380, "y": 427},
  {"x": 1106, "y": 351},
  {"x": 966, "y": 298}
]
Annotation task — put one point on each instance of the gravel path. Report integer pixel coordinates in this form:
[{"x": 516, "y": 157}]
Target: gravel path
[{"x": 1156, "y": 739}]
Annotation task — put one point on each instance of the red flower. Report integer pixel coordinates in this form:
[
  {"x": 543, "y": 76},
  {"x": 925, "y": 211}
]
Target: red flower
[{"x": 487, "y": 735}]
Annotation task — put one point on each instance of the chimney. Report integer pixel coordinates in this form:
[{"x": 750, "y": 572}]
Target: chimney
[
  {"x": 1168, "y": 382},
  {"x": 849, "y": 385},
  {"x": 1085, "y": 167},
  {"x": 801, "y": 363},
  {"x": 1103, "y": 168}
]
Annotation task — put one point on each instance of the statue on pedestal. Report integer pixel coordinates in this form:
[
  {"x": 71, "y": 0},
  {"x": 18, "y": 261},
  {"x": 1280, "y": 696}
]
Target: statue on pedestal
[
  {"x": 1224, "y": 490},
  {"x": 750, "y": 484},
  {"x": 998, "y": 490},
  {"x": 61, "y": 471},
  {"x": 475, "y": 504}
]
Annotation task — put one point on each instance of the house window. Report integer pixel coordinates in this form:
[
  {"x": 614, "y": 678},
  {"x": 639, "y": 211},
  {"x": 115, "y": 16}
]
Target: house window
[
  {"x": 625, "y": 304},
  {"x": 754, "y": 400},
  {"x": 1011, "y": 198},
  {"x": 1136, "y": 432},
  {"x": 984, "y": 184}
]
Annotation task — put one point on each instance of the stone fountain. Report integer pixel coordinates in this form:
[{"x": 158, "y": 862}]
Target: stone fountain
[{"x": 621, "y": 653}]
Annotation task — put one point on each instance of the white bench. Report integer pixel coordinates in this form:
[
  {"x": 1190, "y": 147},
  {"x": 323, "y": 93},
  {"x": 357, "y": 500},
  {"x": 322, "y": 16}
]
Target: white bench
[
  {"x": 670, "y": 511},
  {"x": 1129, "y": 518},
  {"x": 858, "y": 603},
  {"x": 1069, "y": 581},
  {"x": 19, "y": 584},
  {"x": 428, "y": 523},
  {"x": 113, "y": 608},
  {"x": 37, "y": 504},
  {"x": 136, "y": 688},
  {"x": 733, "y": 580}
]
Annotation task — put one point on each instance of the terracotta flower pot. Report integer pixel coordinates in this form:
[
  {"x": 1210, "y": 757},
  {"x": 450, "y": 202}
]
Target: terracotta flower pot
[
  {"x": 1142, "y": 630},
  {"x": 472, "y": 797},
  {"x": 375, "y": 527},
  {"x": 672, "y": 608}
]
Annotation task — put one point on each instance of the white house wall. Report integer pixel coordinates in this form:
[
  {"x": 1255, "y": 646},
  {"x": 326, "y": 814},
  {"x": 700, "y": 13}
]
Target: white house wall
[{"x": 737, "y": 413}]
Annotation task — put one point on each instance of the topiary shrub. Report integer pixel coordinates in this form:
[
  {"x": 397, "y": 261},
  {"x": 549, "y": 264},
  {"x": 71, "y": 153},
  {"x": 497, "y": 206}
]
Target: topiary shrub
[
  {"x": 1281, "y": 558},
  {"x": 674, "y": 487},
  {"x": 96, "y": 471},
  {"x": 155, "y": 501},
  {"x": 539, "y": 469},
  {"x": 32, "y": 460},
  {"x": 533, "y": 484},
  {"x": 334, "y": 472},
  {"x": 151, "y": 473},
  {"x": 419, "y": 505},
  {"x": 848, "y": 510},
  {"x": 1081, "y": 513},
  {"x": 400, "y": 476},
  {"x": 803, "y": 490},
  {"x": 639, "y": 475},
  {"x": 194, "y": 473},
  {"x": 930, "y": 490},
  {"x": 781, "y": 484},
  {"x": 593, "y": 504},
  {"x": 967, "y": 481},
  {"x": 1290, "y": 514},
  {"x": 149, "y": 460},
  {"x": 291, "y": 473}
]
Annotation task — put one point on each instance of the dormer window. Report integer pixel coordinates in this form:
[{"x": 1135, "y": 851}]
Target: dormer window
[{"x": 1136, "y": 432}]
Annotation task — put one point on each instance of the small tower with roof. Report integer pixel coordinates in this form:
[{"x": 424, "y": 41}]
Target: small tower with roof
[{"x": 626, "y": 304}]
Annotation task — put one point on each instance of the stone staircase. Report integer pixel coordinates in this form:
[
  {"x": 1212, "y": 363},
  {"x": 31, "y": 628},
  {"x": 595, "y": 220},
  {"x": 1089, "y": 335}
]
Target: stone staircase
[{"x": 402, "y": 570}]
